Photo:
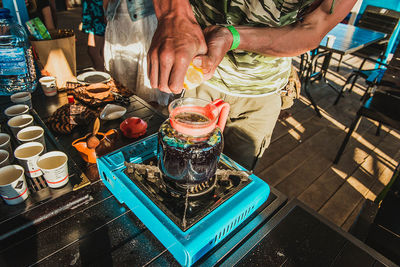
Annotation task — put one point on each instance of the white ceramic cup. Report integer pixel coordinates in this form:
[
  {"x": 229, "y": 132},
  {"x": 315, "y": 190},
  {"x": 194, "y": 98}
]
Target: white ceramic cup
[
  {"x": 22, "y": 98},
  {"x": 27, "y": 155},
  {"x": 13, "y": 188},
  {"x": 4, "y": 158},
  {"x": 18, "y": 122},
  {"x": 54, "y": 166},
  {"x": 330, "y": 40},
  {"x": 16, "y": 110},
  {"x": 32, "y": 134},
  {"x": 49, "y": 85},
  {"x": 5, "y": 144}
]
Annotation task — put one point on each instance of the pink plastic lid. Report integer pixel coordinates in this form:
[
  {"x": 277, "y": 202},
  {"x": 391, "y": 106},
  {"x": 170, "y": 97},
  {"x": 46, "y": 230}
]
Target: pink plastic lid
[
  {"x": 133, "y": 127},
  {"x": 196, "y": 117}
]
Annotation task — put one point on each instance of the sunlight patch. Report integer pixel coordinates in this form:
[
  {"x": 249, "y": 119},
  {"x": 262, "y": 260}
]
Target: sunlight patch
[
  {"x": 357, "y": 185},
  {"x": 341, "y": 174}
]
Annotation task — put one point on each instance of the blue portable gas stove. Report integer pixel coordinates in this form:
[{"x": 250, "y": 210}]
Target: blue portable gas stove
[{"x": 189, "y": 224}]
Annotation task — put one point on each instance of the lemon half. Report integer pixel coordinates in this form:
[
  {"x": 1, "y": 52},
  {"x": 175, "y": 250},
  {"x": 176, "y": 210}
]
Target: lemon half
[{"x": 193, "y": 78}]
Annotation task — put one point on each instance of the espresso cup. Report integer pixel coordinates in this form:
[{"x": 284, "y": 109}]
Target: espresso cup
[
  {"x": 4, "y": 158},
  {"x": 5, "y": 144},
  {"x": 54, "y": 166},
  {"x": 27, "y": 155},
  {"x": 16, "y": 110},
  {"x": 32, "y": 134},
  {"x": 18, "y": 122},
  {"x": 49, "y": 85},
  {"x": 13, "y": 187},
  {"x": 24, "y": 98}
]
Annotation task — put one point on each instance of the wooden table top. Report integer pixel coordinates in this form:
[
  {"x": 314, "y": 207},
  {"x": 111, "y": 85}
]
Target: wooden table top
[{"x": 350, "y": 38}]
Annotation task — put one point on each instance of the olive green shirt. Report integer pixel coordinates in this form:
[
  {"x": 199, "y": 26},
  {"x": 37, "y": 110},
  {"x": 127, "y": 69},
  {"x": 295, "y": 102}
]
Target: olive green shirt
[{"x": 247, "y": 73}]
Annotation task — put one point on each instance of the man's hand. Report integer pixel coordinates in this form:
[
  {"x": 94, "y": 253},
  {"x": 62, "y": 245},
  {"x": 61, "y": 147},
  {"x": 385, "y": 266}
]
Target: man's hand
[
  {"x": 177, "y": 40},
  {"x": 219, "y": 40}
]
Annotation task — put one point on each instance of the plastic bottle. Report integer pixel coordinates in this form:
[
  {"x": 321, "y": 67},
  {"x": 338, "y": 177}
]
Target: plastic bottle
[{"x": 17, "y": 70}]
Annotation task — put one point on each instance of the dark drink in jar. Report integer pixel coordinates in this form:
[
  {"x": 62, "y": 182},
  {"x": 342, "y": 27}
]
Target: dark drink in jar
[{"x": 188, "y": 160}]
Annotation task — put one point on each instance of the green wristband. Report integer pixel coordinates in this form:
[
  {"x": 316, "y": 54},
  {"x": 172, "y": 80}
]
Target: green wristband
[{"x": 236, "y": 37}]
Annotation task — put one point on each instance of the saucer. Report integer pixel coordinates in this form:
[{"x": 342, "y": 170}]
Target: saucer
[{"x": 91, "y": 77}]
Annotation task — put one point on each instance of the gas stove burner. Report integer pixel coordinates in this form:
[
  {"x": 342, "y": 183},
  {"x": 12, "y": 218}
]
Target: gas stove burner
[
  {"x": 149, "y": 171},
  {"x": 224, "y": 177},
  {"x": 152, "y": 173},
  {"x": 188, "y": 227},
  {"x": 180, "y": 190},
  {"x": 186, "y": 206}
]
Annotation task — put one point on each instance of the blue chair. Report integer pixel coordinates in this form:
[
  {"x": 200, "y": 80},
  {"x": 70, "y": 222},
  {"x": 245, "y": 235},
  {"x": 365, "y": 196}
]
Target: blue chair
[
  {"x": 383, "y": 106},
  {"x": 377, "y": 19}
]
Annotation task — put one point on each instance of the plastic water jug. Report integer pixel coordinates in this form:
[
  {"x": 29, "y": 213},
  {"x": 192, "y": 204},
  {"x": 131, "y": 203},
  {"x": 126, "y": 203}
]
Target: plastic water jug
[{"x": 17, "y": 70}]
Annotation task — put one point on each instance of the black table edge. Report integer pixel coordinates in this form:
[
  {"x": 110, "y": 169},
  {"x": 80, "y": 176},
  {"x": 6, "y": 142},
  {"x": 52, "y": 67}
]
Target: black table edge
[
  {"x": 252, "y": 242},
  {"x": 265, "y": 212}
]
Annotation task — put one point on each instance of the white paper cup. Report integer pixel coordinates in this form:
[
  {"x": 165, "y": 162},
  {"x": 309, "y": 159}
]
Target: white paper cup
[
  {"x": 330, "y": 40},
  {"x": 4, "y": 158},
  {"x": 49, "y": 85},
  {"x": 54, "y": 166},
  {"x": 16, "y": 110},
  {"x": 27, "y": 155},
  {"x": 6, "y": 145},
  {"x": 18, "y": 122},
  {"x": 13, "y": 188},
  {"x": 22, "y": 98},
  {"x": 32, "y": 134}
]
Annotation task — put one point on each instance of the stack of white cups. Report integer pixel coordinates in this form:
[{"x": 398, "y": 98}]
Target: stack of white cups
[{"x": 31, "y": 153}]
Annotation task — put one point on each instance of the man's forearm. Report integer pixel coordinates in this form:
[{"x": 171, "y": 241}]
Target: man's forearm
[
  {"x": 169, "y": 8},
  {"x": 293, "y": 40}
]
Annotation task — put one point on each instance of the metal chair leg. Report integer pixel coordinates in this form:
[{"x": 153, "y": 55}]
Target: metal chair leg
[
  {"x": 362, "y": 64},
  {"x": 354, "y": 82},
  {"x": 343, "y": 88},
  {"x": 352, "y": 128},
  {"x": 306, "y": 84},
  {"x": 357, "y": 74},
  {"x": 307, "y": 80},
  {"x": 378, "y": 130},
  {"x": 366, "y": 93},
  {"x": 304, "y": 61},
  {"x": 340, "y": 61},
  {"x": 311, "y": 99},
  {"x": 325, "y": 64}
]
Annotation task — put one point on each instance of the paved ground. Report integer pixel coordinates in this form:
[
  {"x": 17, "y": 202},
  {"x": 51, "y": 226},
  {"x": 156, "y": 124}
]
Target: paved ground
[{"x": 299, "y": 159}]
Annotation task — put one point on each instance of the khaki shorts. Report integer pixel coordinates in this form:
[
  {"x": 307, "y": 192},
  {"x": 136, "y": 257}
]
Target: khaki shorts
[{"x": 250, "y": 123}]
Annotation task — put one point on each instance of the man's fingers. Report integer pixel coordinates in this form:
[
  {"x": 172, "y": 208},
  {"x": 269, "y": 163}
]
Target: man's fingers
[
  {"x": 207, "y": 63},
  {"x": 204, "y": 62},
  {"x": 165, "y": 66},
  {"x": 177, "y": 76},
  {"x": 198, "y": 61},
  {"x": 153, "y": 70}
]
